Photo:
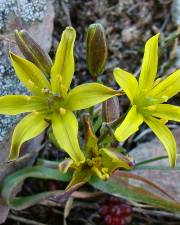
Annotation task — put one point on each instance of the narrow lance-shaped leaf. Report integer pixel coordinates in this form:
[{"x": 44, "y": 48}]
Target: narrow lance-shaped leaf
[
  {"x": 118, "y": 186},
  {"x": 11, "y": 182}
]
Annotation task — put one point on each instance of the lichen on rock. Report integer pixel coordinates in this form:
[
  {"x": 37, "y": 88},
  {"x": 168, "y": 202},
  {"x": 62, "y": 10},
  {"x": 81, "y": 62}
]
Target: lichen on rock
[
  {"x": 9, "y": 84},
  {"x": 36, "y": 16},
  {"x": 27, "y": 10}
]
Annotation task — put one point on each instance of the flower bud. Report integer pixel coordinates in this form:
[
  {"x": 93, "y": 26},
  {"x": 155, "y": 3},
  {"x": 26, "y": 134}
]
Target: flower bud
[
  {"x": 111, "y": 110},
  {"x": 96, "y": 49},
  {"x": 33, "y": 52}
]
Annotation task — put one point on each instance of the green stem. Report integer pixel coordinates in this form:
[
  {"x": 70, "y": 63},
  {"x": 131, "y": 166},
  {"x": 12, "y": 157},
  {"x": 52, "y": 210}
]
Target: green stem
[
  {"x": 152, "y": 160},
  {"x": 168, "y": 41},
  {"x": 112, "y": 126}
]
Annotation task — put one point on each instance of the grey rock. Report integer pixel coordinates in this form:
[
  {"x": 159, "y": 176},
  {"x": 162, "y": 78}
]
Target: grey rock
[
  {"x": 168, "y": 179},
  {"x": 35, "y": 16}
]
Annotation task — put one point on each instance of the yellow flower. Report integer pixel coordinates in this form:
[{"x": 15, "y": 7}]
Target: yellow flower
[
  {"x": 52, "y": 101},
  {"x": 99, "y": 161},
  {"x": 146, "y": 98}
]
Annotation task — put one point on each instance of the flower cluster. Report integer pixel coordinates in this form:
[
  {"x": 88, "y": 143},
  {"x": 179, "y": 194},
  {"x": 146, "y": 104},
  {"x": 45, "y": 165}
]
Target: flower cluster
[{"x": 53, "y": 103}]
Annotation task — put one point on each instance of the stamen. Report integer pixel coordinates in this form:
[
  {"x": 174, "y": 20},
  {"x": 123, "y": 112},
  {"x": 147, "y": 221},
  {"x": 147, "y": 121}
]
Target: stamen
[{"x": 62, "y": 111}]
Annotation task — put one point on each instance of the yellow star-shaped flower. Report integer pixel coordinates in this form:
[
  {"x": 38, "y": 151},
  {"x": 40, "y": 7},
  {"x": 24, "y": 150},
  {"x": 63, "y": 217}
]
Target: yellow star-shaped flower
[
  {"x": 147, "y": 96},
  {"x": 52, "y": 102}
]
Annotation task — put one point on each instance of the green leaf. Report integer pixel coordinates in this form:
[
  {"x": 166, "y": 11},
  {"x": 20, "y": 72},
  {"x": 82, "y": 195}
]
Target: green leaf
[
  {"x": 119, "y": 186},
  {"x": 87, "y": 95},
  {"x": 12, "y": 181},
  {"x": 29, "y": 127},
  {"x": 29, "y": 75}
]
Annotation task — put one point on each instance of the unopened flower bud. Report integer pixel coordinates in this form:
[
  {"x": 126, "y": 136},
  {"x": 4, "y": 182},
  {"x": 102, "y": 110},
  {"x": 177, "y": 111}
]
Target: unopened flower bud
[
  {"x": 33, "y": 52},
  {"x": 96, "y": 49},
  {"x": 111, "y": 110}
]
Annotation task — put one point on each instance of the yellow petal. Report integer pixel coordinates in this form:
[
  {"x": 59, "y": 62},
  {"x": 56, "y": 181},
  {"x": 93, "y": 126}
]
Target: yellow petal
[
  {"x": 64, "y": 60},
  {"x": 29, "y": 127},
  {"x": 111, "y": 161},
  {"x": 149, "y": 64},
  {"x": 80, "y": 176},
  {"x": 29, "y": 74},
  {"x": 65, "y": 129},
  {"x": 130, "y": 124},
  {"x": 87, "y": 95},
  {"x": 168, "y": 87},
  {"x": 128, "y": 83},
  {"x": 166, "y": 111},
  {"x": 165, "y": 136},
  {"x": 16, "y": 104}
]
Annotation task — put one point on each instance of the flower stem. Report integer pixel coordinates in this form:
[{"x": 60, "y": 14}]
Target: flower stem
[{"x": 111, "y": 126}]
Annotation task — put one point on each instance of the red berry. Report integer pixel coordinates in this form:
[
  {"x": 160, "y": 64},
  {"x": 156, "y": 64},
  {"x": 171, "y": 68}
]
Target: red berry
[
  {"x": 108, "y": 220},
  {"x": 103, "y": 210},
  {"x": 116, "y": 210},
  {"x": 52, "y": 186},
  {"x": 126, "y": 209},
  {"x": 121, "y": 222},
  {"x": 114, "y": 200}
]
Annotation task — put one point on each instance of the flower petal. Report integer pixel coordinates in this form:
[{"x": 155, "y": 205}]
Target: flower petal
[
  {"x": 130, "y": 124},
  {"x": 29, "y": 127},
  {"x": 149, "y": 64},
  {"x": 16, "y": 104},
  {"x": 128, "y": 83},
  {"x": 112, "y": 161},
  {"x": 87, "y": 95},
  {"x": 64, "y": 60},
  {"x": 29, "y": 74},
  {"x": 166, "y": 111},
  {"x": 80, "y": 176},
  {"x": 165, "y": 136},
  {"x": 65, "y": 129},
  {"x": 168, "y": 87}
]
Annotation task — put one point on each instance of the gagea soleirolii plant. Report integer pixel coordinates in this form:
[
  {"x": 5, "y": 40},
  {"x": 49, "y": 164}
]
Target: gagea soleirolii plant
[{"x": 53, "y": 103}]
